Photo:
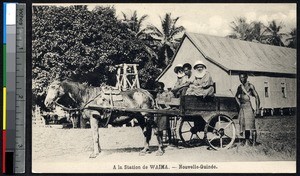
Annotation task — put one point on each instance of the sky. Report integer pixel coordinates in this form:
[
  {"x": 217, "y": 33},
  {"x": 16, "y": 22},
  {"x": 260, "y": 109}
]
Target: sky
[
  {"x": 208, "y": 18},
  {"x": 213, "y": 19}
]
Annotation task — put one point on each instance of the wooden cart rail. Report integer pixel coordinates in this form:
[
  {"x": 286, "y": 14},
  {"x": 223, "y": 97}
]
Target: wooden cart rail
[
  {"x": 188, "y": 106},
  {"x": 135, "y": 110}
]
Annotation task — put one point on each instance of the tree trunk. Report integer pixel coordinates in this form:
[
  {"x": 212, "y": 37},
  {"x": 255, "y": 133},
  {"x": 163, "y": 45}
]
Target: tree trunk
[{"x": 166, "y": 57}]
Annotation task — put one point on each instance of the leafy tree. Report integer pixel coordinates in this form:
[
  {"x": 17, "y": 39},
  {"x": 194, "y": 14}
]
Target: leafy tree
[
  {"x": 273, "y": 34},
  {"x": 83, "y": 46},
  {"x": 292, "y": 38},
  {"x": 166, "y": 39}
]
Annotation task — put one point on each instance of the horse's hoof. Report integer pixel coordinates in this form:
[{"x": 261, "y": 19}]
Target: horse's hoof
[
  {"x": 209, "y": 148},
  {"x": 159, "y": 153},
  {"x": 144, "y": 152},
  {"x": 94, "y": 155},
  {"x": 247, "y": 143}
]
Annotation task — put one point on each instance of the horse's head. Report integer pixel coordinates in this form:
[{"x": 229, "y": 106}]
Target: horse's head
[{"x": 54, "y": 92}]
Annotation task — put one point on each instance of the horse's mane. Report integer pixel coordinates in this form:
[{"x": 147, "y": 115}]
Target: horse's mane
[
  {"x": 73, "y": 86},
  {"x": 77, "y": 89}
]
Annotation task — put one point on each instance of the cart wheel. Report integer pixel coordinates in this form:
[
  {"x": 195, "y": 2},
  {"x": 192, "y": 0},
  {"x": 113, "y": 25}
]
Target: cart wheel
[
  {"x": 190, "y": 133},
  {"x": 220, "y": 132}
]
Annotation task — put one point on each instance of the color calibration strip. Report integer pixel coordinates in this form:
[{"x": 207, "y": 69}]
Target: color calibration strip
[
  {"x": 9, "y": 58},
  {"x": 14, "y": 88},
  {"x": 4, "y": 91}
]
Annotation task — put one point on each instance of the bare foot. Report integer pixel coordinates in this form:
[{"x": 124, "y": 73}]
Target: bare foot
[
  {"x": 94, "y": 155},
  {"x": 144, "y": 152},
  {"x": 159, "y": 153}
]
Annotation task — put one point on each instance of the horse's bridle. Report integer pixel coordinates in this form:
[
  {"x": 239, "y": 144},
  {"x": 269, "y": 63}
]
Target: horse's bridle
[{"x": 76, "y": 109}]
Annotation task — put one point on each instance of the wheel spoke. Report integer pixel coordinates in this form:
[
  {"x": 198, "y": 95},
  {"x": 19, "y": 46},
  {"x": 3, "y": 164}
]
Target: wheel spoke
[
  {"x": 221, "y": 142},
  {"x": 212, "y": 127},
  {"x": 227, "y": 136},
  {"x": 185, "y": 131},
  {"x": 191, "y": 137},
  {"x": 213, "y": 138},
  {"x": 189, "y": 124},
  {"x": 198, "y": 136},
  {"x": 228, "y": 124}
]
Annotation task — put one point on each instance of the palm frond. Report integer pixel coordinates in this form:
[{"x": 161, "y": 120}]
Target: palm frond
[
  {"x": 178, "y": 39},
  {"x": 177, "y": 30},
  {"x": 124, "y": 16},
  {"x": 141, "y": 20},
  {"x": 150, "y": 51},
  {"x": 175, "y": 20},
  {"x": 166, "y": 24},
  {"x": 134, "y": 15},
  {"x": 233, "y": 36},
  {"x": 152, "y": 30}
]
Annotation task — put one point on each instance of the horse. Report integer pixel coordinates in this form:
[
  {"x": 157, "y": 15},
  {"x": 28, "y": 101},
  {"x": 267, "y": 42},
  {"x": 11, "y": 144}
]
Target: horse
[{"x": 85, "y": 95}]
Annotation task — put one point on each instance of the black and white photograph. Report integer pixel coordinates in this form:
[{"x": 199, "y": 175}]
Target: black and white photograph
[{"x": 164, "y": 88}]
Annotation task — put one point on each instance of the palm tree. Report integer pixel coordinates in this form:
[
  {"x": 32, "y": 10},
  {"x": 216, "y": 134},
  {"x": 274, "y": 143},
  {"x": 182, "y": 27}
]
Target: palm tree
[
  {"x": 167, "y": 38},
  {"x": 292, "y": 38},
  {"x": 134, "y": 23},
  {"x": 273, "y": 33},
  {"x": 257, "y": 32},
  {"x": 135, "y": 26},
  {"x": 240, "y": 29}
]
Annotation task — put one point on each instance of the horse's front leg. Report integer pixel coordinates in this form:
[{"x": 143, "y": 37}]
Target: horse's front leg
[{"x": 96, "y": 143}]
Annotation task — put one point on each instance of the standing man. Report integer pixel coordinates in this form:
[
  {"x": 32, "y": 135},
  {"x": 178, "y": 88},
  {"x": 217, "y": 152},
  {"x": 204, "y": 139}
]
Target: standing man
[{"x": 248, "y": 108}]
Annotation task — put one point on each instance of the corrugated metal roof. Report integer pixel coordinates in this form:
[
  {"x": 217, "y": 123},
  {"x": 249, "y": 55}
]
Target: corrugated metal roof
[{"x": 238, "y": 55}]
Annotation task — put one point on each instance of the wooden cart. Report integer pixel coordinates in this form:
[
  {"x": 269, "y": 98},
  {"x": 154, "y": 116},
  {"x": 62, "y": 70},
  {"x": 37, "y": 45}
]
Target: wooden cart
[{"x": 201, "y": 119}]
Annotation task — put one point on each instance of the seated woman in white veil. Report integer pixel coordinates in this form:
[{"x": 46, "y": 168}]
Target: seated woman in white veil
[{"x": 203, "y": 83}]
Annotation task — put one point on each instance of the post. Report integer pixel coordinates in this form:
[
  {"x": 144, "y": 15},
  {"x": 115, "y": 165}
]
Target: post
[{"x": 137, "y": 82}]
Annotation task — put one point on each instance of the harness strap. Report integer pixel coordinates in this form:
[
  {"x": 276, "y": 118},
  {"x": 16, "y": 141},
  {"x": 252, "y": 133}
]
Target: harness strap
[
  {"x": 244, "y": 90},
  {"x": 251, "y": 98},
  {"x": 77, "y": 109},
  {"x": 68, "y": 109}
]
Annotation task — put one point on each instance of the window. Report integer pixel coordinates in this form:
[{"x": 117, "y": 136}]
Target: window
[
  {"x": 283, "y": 90},
  {"x": 266, "y": 85}
]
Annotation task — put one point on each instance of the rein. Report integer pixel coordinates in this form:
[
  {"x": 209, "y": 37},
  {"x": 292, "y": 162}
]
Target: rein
[
  {"x": 81, "y": 109},
  {"x": 68, "y": 109},
  {"x": 84, "y": 107}
]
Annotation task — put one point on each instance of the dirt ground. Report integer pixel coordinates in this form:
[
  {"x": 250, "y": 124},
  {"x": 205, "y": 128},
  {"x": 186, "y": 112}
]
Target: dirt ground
[{"x": 68, "y": 150}]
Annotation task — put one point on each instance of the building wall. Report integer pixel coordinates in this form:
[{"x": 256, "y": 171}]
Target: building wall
[
  {"x": 275, "y": 99},
  {"x": 227, "y": 82},
  {"x": 188, "y": 53}
]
